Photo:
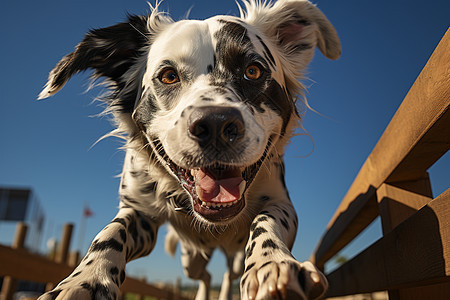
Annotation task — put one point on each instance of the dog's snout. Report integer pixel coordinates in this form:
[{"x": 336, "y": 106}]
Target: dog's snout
[{"x": 214, "y": 125}]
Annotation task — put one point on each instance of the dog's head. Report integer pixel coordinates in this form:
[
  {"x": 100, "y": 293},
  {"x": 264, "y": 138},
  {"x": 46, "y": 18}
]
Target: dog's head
[{"x": 212, "y": 99}]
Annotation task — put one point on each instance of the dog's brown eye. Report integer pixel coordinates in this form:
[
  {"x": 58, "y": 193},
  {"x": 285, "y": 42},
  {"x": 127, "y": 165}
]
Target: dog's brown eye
[
  {"x": 169, "y": 76},
  {"x": 252, "y": 72}
]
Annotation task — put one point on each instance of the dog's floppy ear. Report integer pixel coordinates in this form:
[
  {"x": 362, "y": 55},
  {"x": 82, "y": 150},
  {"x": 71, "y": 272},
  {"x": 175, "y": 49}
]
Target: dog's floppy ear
[
  {"x": 297, "y": 26},
  {"x": 110, "y": 52}
]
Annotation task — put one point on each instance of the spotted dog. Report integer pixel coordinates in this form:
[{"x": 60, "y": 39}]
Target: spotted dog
[{"x": 206, "y": 109}]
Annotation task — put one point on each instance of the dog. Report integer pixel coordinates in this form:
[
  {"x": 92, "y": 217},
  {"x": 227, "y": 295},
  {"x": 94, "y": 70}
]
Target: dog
[{"x": 206, "y": 109}]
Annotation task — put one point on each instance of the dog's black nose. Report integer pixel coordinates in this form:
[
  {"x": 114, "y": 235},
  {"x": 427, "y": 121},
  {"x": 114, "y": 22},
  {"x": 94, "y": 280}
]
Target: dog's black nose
[{"x": 216, "y": 125}]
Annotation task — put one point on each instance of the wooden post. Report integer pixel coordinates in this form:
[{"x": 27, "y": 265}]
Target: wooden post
[
  {"x": 9, "y": 283},
  {"x": 396, "y": 204},
  {"x": 63, "y": 251}
]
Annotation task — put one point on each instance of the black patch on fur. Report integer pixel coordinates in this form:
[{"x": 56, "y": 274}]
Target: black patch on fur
[
  {"x": 111, "y": 52},
  {"x": 243, "y": 280},
  {"x": 105, "y": 245},
  {"x": 284, "y": 223},
  {"x": 119, "y": 220},
  {"x": 146, "y": 110},
  {"x": 76, "y": 274},
  {"x": 262, "y": 219},
  {"x": 302, "y": 278},
  {"x": 267, "y": 214},
  {"x": 129, "y": 199},
  {"x": 249, "y": 267},
  {"x": 54, "y": 294},
  {"x": 267, "y": 52},
  {"x": 145, "y": 225},
  {"x": 122, "y": 276},
  {"x": 133, "y": 230},
  {"x": 235, "y": 52},
  {"x": 249, "y": 251},
  {"x": 114, "y": 271},
  {"x": 269, "y": 243},
  {"x": 265, "y": 264},
  {"x": 258, "y": 231},
  {"x": 264, "y": 198},
  {"x": 266, "y": 276}
]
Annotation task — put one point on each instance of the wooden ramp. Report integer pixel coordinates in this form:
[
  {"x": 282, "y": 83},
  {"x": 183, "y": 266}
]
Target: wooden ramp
[{"x": 412, "y": 259}]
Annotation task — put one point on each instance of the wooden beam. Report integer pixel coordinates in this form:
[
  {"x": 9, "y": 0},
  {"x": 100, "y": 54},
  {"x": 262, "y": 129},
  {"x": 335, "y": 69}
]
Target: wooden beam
[
  {"x": 359, "y": 214},
  {"x": 397, "y": 204},
  {"x": 19, "y": 263},
  {"x": 416, "y": 252},
  {"x": 417, "y": 136}
]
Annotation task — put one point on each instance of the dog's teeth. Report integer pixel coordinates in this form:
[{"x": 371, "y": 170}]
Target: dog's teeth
[{"x": 242, "y": 187}]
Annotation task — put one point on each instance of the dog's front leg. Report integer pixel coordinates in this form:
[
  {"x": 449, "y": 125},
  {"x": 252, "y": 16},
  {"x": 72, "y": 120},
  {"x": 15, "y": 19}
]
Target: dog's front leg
[
  {"x": 271, "y": 272},
  {"x": 101, "y": 272}
]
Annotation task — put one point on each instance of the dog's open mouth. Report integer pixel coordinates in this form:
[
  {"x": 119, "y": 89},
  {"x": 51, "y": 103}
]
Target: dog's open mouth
[{"x": 217, "y": 191}]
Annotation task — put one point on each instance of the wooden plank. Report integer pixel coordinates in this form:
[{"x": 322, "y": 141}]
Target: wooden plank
[
  {"x": 397, "y": 204},
  {"x": 416, "y": 252},
  {"x": 9, "y": 283},
  {"x": 359, "y": 214},
  {"x": 417, "y": 135},
  {"x": 20, "y": 264}
]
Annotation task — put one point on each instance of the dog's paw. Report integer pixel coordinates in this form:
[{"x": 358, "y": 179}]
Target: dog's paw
[
  {"x": 77, "y": 286},
  {"x": 287, "y": 279},
  {"x": 83, "y": 291}
]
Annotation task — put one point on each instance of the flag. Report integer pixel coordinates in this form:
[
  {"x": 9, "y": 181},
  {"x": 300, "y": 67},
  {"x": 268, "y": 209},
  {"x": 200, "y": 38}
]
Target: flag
[{"x": 87, "y": 212}]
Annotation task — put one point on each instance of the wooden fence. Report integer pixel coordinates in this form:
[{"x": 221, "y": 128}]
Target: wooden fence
[
  {"x": 16, "y": 263},
  {"x": 412, "y": 259}
]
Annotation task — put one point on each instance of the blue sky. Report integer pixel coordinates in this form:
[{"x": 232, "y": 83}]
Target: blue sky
[{"x": 46, "y": 145}]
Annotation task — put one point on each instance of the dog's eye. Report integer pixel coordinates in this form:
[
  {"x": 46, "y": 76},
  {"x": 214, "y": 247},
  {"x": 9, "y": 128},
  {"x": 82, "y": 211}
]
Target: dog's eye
[
  {"x": 169, "y": 76},
  {"x": 252, "y": 72}
]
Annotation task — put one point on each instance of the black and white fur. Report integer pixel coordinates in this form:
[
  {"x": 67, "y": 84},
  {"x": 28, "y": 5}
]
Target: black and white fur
[{"x": 212, "y": 99}]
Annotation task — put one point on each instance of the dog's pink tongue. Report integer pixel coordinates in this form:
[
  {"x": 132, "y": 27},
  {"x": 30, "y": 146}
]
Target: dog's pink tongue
[{"x": 217, "y": 190}]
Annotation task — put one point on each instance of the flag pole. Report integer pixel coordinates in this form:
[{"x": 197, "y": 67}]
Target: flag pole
[
  {"x": 81, "y": 235},
  {"x": 82, "y": 231}
]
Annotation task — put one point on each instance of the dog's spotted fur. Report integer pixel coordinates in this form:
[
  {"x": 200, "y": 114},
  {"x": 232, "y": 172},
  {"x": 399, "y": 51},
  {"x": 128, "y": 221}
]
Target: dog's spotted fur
[{"x": 206, "y": 108}]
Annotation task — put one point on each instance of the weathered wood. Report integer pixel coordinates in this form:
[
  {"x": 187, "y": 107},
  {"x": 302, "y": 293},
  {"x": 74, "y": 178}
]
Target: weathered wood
[
  {"x": 417, "y": 136},
  {"x": 9, "y": 283},
  {"x": 358, "y": 215},
  {"x": 416, "y": 252},
  {"x": 63, "y": 251},
  {"x": 19, "y": 263},
  {"x": 397, "y": 204}
]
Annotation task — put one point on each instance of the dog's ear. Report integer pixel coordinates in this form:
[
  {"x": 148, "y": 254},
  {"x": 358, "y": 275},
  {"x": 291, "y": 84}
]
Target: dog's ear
[
  {"x": 110, "y": 52},
  {"x": 297, "y": 26}
]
